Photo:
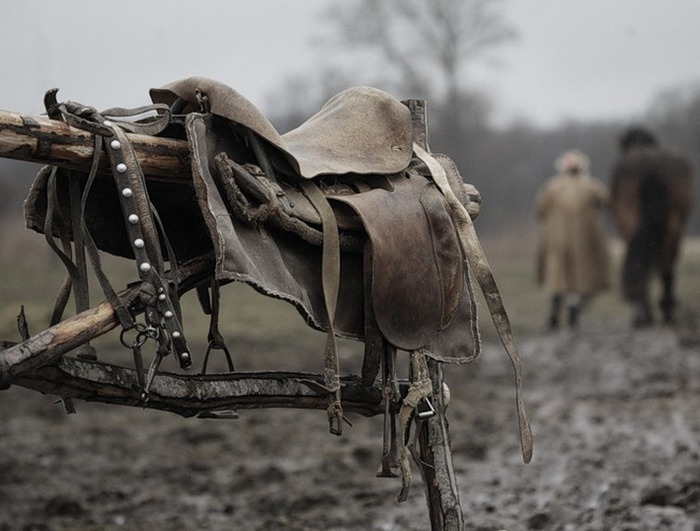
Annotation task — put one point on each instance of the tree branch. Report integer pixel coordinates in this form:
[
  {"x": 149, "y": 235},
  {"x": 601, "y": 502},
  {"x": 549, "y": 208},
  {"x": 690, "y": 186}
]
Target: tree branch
[{"x": 46, "y": 141}]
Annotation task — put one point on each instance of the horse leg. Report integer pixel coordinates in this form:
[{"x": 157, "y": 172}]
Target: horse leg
[
  {"x": 642, "y": 316},
  {"x": 668, "y": 301},
  {"x": 576, "y": 304},
  {"x": 668, "y": 278},
  {"x": 554, "y": 310},
  {"x": 641, "y": 302},
  {"x": 669, "y": 258},
  {"x": 636, "y": 280}
]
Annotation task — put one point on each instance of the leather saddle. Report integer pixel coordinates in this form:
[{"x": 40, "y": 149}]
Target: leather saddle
[
  {"x": 344, "y": 217},
  {"x": 266, "y": 232},
  {"x": 359, "y": 150}
]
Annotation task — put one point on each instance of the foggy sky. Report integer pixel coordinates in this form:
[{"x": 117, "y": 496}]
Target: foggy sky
[{"x": 573, "y": 58}]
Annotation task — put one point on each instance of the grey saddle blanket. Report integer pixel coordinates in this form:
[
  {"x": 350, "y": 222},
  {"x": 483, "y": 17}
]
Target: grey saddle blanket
[{"x": 245, "y": 203}]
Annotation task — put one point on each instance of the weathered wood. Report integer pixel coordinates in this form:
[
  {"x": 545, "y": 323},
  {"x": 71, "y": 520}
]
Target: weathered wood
[
  {"x": 48, "y": 345},
  {"x": 193, "y": 394},
  {"x": 37, "y": 139},
  {"x": 38, "y": 362},
  {"x": 435, "y": 462}
]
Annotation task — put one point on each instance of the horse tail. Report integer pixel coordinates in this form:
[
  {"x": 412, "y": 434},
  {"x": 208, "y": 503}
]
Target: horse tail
[{"x": 646, "y": 246}]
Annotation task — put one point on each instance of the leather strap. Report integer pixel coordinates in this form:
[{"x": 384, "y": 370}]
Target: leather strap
[
  {"x": 421, "y": 388},
  {"x": 63, "y": 254},
  {"x": 480, "y": 266},
  {"x": 143, "y": 238},
  {"x": 84, "y": 116},
  {"x": 141, "y": 219},
  {"x": 330, "y": 273}
]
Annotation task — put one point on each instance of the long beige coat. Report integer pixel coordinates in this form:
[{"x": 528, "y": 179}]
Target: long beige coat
[{"x": 573, "y": 255}]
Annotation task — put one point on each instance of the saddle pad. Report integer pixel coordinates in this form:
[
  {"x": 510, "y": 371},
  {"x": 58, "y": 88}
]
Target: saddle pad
[
  {"x": 178, "y": 211},
  {"x": 417, "y": 273}
]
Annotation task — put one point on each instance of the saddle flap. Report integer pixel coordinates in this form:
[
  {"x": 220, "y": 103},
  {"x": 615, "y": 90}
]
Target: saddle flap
[{"x": 417, "y": 267}]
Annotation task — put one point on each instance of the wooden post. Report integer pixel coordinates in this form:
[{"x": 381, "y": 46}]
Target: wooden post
[
  {"x": 45, "y": 141},
  {"x": 435, "y": 453},
  {"x": 435, "y": 462},
  {"x": 203, "y": 395}
]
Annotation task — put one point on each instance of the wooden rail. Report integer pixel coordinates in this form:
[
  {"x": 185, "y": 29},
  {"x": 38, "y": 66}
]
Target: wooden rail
[{"x": 38, "y": 139}]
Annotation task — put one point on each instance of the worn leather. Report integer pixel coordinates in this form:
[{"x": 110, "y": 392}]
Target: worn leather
[
  {"x": 420, "y": 291},
  {"x": 417, "y": 270},
  {"x": 360, "y": 130},
  {"x": 433, "y": 309}
]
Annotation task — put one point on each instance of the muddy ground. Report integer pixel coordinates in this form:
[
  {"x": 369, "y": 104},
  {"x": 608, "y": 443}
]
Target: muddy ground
[{"x": 617, "y": 447}]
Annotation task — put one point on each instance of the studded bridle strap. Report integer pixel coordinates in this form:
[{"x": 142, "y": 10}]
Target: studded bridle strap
[
  {"x": 77, "y": 279},
  {"x": 141, "y": 219},
  {"x": 125, "y": 318},
  {"x": 143, "y": 238}
]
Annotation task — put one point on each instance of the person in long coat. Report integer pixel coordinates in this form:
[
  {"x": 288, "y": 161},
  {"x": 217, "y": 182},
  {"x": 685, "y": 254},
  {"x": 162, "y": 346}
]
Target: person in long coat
[{"x": 573, "y": 256}]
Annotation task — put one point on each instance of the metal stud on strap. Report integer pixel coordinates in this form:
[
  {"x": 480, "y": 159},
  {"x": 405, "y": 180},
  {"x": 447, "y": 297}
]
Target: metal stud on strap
[{"x": 136, "y": 207}]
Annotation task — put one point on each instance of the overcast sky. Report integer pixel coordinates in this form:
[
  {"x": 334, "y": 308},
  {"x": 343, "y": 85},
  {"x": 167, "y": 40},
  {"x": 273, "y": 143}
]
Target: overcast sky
[{"x": 573, "y": 58}]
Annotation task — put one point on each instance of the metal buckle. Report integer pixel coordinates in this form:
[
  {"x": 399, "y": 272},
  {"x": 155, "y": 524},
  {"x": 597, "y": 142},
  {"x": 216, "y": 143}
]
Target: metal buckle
[{"x": 425, "y": 409}]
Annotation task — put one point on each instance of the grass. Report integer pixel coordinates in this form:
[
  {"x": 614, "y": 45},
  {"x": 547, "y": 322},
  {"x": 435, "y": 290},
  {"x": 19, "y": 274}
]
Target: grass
[{"x": 513, "y": 265}]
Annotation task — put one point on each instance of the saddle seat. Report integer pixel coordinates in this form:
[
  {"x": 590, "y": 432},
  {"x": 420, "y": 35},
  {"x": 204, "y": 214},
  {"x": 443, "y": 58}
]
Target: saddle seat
[
  {"x": 359, "y": 150},
  {"x": 361, "y": 130}
]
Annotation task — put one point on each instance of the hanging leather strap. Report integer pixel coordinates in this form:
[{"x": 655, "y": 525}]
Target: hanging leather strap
[
  {"x": 330, "y": 273},
  {"x": 480, "y": 266},
  {"x": 142, "y": 231},
  {"x": 125, "y": 318},
  {"x": 421, "y": 388}
]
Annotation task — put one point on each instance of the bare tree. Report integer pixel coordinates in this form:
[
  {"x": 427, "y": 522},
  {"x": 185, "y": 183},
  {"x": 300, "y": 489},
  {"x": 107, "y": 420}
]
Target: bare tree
[
  {"x": 410, "y": 48},
  {"x": 426, "y": 44}
]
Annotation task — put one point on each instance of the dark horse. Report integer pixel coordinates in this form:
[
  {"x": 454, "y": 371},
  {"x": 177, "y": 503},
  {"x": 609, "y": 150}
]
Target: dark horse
[{"x": 651, "y": 200}]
